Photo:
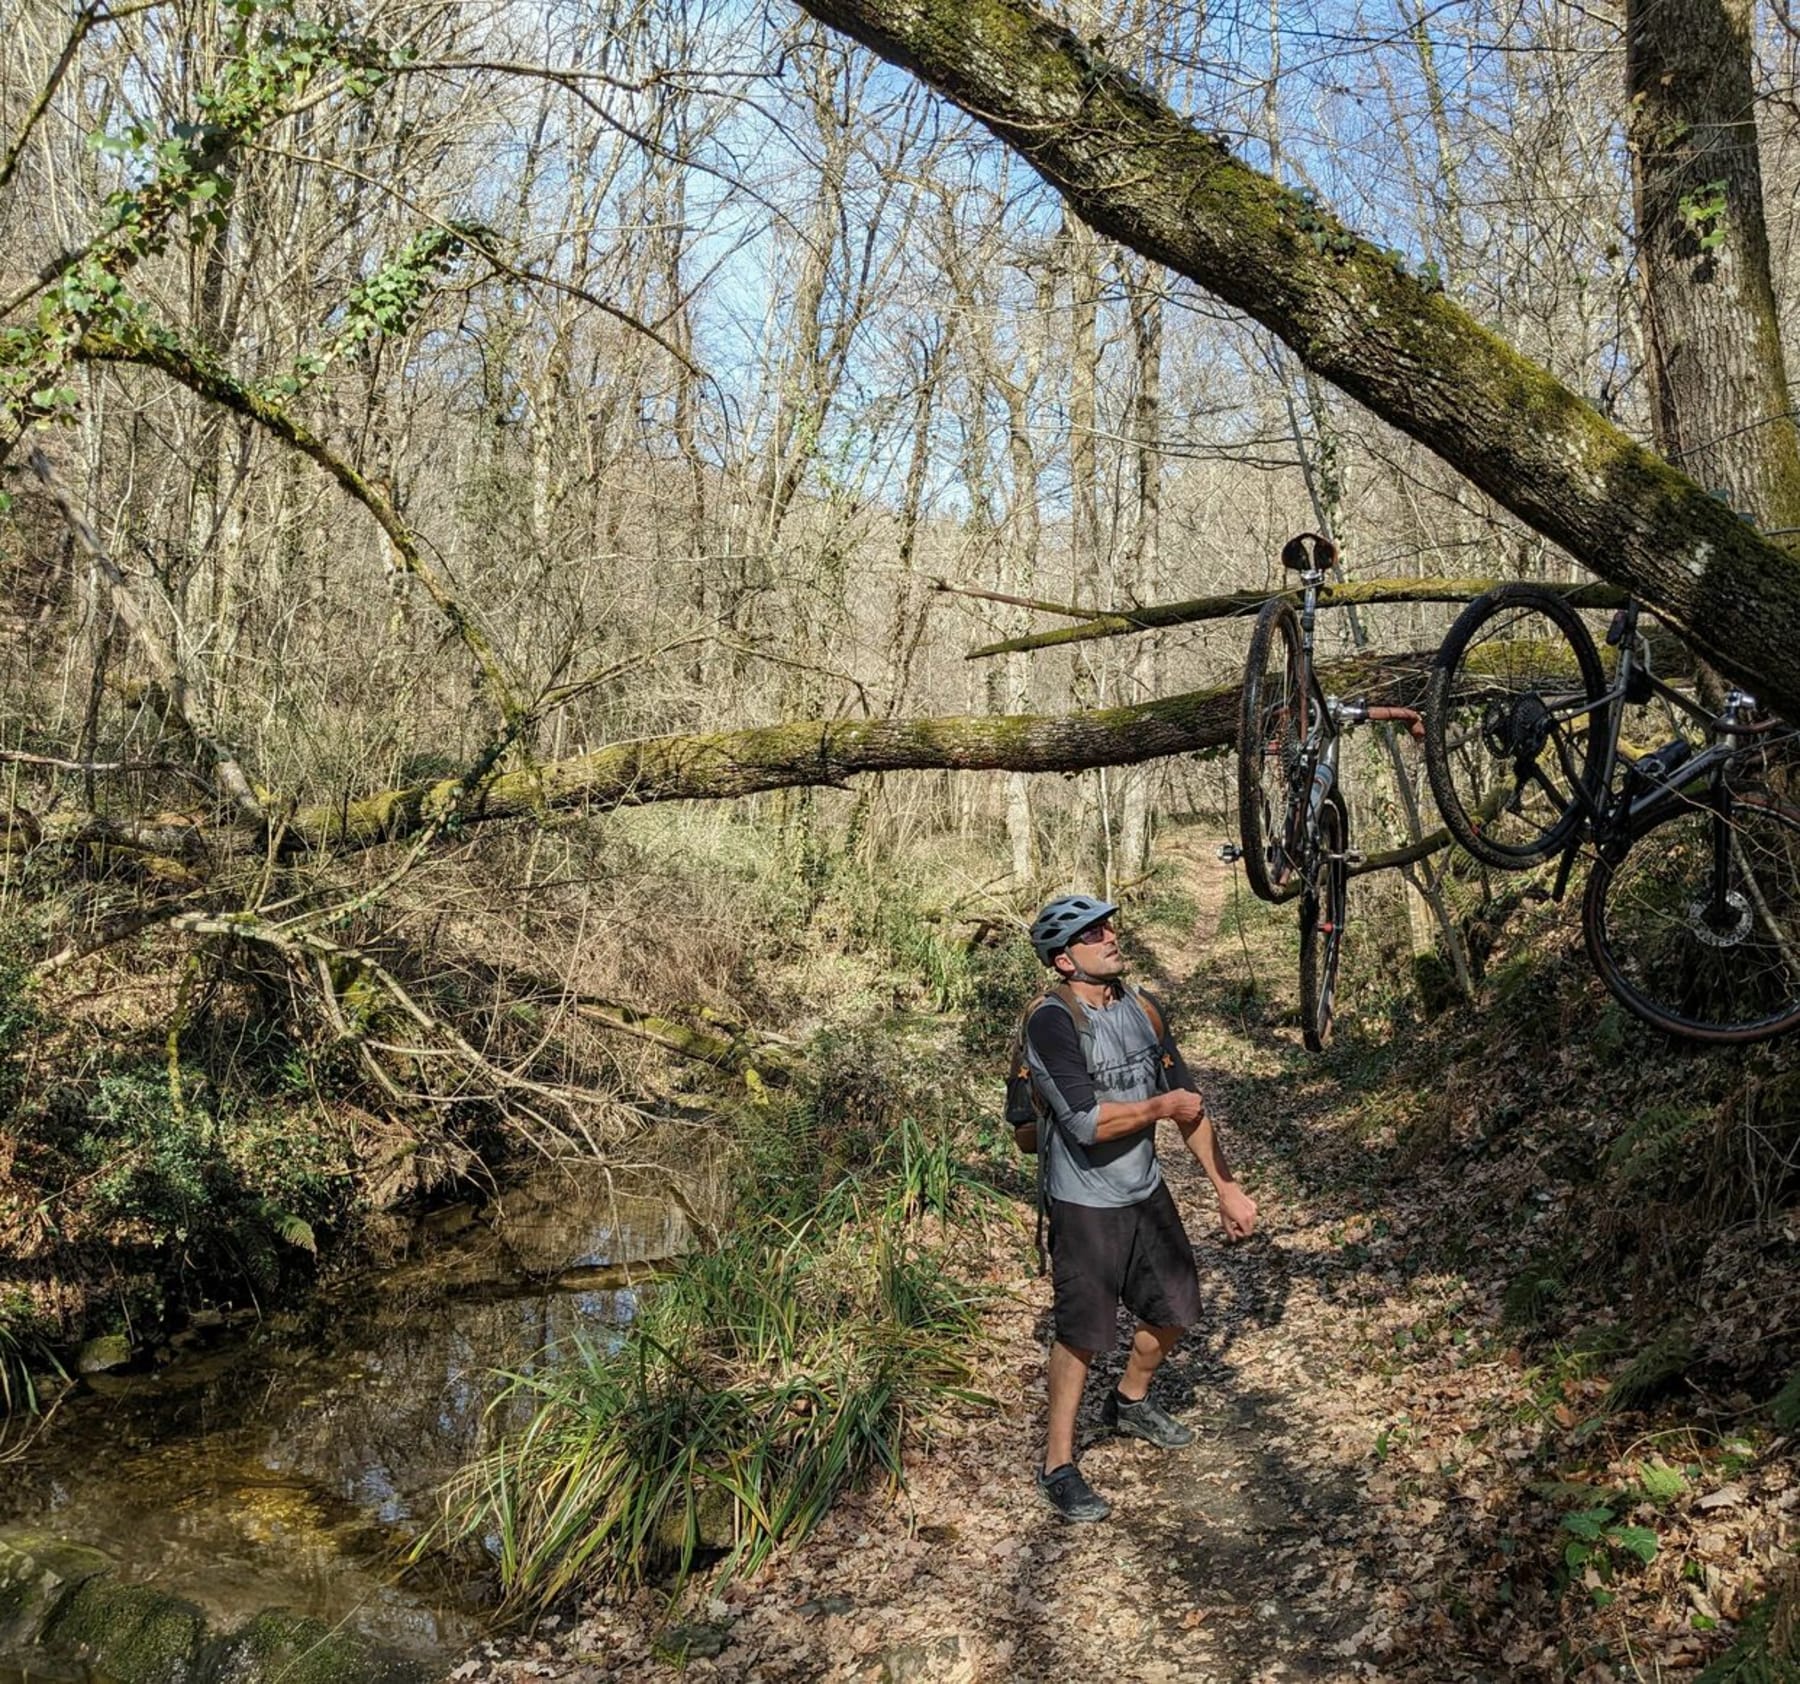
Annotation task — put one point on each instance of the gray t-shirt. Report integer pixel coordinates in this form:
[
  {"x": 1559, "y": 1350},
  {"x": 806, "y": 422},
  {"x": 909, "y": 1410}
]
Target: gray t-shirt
[{"x": 1126, "y": 1061}]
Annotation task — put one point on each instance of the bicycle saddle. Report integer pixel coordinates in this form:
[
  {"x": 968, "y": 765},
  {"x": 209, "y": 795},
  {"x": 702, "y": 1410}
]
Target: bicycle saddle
[{"x": 1309, "y": 552}]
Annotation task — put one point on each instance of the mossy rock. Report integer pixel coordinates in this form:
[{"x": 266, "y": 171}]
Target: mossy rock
[
  {"x": 279, "y": 1644},
  {"x": 715, "y": 1522},
  {"x": 131, "y": 1633},
  {"x": 36, "y": 1571},
  {"x": 692, "y": 1640},
  {"x": 109, "y": 1350}
]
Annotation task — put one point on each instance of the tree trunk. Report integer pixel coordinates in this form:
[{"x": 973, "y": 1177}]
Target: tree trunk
[
  {"x": 1143, "y": 291},
  {"x": 1718, "y": 379},
  {"x": 797, "y": 755}
]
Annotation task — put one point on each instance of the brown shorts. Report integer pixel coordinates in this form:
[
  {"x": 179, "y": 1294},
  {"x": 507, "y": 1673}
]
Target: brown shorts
[{"x": 1135, "y": 1255}]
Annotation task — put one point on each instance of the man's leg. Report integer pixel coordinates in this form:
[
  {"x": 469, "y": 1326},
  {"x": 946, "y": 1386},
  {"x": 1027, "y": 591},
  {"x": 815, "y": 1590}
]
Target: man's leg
[
  {"x": 1129, "y": 1409},
  {"x": 1149, "y": 1345},
  {"x": 1068, "y": 1375}
]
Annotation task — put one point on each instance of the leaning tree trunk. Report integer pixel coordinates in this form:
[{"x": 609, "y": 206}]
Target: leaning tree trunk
[
  {"x": 1139, "y": 172},
  {"x": 1718, "y": 377}
]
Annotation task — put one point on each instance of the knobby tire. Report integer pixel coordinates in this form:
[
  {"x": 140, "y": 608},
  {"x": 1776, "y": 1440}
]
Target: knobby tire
[
  {"x": 1706, "y": 968},
  {"x": 1468, "y": 753},
  {"x": 1324, "y": 901},
  {"x": 1274, "y": 714}
]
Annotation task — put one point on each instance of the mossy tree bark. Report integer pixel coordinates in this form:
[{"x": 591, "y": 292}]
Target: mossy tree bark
[
  {"x": 1137, "y": 171},
  {"x": 1718, "y": 377},
  {"x": 721, "y": 766}
]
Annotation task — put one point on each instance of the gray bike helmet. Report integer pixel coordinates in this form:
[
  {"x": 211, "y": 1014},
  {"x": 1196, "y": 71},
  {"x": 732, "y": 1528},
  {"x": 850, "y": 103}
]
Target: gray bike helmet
[{"x": 1064, "y": 919}]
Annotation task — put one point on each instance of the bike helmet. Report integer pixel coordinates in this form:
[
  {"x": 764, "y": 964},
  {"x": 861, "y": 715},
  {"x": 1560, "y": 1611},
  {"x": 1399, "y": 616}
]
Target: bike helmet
[{"x": 1064, "y": 919}]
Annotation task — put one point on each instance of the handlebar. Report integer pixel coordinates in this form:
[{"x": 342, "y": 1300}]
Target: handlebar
[{"x": 1360, "y": 713}]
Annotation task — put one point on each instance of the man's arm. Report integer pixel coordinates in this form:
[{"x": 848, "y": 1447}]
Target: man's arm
[
  {"x": 1237, "y": 1210},
  {"x": 1067, "y": 1085},
  {"x": 1120, "y": 1117}
]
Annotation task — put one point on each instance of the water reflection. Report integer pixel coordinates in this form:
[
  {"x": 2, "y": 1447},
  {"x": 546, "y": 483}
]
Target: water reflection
[{"x": 285, "y": 1466}]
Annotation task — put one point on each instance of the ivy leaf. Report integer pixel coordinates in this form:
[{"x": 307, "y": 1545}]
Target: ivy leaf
[
  {"x": 1639, "y": 1540},
  {"x": 1589, "y": 1524}
]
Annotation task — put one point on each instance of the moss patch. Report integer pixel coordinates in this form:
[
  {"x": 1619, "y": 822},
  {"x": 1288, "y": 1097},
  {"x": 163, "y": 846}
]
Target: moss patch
[
  {"x": 133, "y": 1634},
  {"x": 279, "y": 1644},
  {"x": 35, "y": 1571}
]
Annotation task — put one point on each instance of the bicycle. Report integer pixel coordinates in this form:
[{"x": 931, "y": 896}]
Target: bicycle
[
  {"x": 1691, "y": 913},
  {"x": 1293, "y": 821}
]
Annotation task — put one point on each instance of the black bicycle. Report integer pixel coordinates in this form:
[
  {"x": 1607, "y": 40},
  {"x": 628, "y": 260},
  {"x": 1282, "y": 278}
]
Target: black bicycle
[
  {"x": 1293, "y": 821},
  {"x": 1692, "y": 909}
]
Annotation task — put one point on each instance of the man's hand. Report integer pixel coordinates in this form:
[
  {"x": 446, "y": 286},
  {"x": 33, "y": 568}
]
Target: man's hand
[
  {"x": 1182, "y": 1106},
  {"x": 1237, "y": 1212}
]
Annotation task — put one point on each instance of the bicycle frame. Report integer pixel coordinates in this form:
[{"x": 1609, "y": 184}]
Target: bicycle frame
[
  {"x": 1317, "y": 766},
  {"x": 1611, "y": 817}
]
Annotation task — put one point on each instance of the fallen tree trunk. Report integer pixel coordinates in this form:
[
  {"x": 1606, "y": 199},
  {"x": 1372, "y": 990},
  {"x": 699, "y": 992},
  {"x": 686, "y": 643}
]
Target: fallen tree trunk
[
  {"x": 734, "y": 763},
  {"x": 1144, "y": 175}
]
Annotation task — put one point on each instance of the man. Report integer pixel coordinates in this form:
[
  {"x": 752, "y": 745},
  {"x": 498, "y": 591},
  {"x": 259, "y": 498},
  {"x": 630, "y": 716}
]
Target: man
[{"x": 1115, "y": 1235}]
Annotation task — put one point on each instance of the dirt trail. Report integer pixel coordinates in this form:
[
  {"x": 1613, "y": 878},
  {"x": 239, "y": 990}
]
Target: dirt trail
[{"x": 1245, "y": 1557}]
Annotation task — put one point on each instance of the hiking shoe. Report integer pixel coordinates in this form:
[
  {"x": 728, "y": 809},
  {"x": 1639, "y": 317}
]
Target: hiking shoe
[
  {"x": 1147, "y": 1420},
  {"x": 1070, "y": 1495}
]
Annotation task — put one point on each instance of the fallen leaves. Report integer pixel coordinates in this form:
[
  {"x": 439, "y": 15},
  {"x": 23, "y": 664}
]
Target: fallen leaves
[{"x": 1385, "y": 1474}]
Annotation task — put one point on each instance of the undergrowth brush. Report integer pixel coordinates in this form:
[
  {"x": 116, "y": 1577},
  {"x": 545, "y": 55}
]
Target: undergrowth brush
[{"x": 770, "y": 1371}]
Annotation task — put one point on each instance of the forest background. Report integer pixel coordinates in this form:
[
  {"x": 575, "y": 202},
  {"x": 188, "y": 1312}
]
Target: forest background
[{"x": 443, "y": 407}]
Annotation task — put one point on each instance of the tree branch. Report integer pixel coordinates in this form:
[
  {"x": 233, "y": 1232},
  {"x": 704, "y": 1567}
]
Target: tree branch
[
  {"x": 1140, "y": 173},
  {"x": 209, "y": 381},
  {"x": 1232, "y": 604},
  {"x": 188, "y": 703}
]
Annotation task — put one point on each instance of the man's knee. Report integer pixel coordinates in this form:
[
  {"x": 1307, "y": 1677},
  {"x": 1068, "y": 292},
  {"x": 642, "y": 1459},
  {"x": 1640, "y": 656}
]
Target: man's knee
[{"x": 1084, "y": 1357}]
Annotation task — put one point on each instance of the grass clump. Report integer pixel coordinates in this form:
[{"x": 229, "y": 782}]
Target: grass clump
[
  {"x": 24, "y": 1352},
  {"x": 764, "y": 1376}
]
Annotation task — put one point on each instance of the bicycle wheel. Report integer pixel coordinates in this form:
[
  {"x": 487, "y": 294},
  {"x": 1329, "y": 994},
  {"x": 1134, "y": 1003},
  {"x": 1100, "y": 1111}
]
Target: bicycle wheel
[
  {"x": 1696, "y": 928},
  {"x": 1510, "y": 725},
  {"x": 1323, "y": 902},
  {"x": 1272, "y": 728}
]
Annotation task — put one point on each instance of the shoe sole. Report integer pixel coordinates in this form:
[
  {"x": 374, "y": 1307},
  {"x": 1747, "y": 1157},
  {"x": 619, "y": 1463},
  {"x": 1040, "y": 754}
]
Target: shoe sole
[{"x": 1073, "y": 1519}]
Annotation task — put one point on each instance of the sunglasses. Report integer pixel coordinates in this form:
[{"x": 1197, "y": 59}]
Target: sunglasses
[{"x": 1093, "y": 933}]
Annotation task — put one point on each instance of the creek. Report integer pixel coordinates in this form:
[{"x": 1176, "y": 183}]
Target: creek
[{"x": 286, "y": 1461}]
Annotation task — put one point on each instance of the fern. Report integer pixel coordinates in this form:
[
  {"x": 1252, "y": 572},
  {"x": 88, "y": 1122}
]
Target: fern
[
  {"x": 1665, "y": 1359},
  {"x": 1767, "y": 1650},
  {"x": 1785, "y": 1405},
  {"x": 1654, "y": 1146}
]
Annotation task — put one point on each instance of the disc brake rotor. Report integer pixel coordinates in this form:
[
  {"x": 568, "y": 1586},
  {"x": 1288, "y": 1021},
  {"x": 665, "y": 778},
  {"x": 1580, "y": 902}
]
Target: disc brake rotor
[{"x": 1726, "y": 933}]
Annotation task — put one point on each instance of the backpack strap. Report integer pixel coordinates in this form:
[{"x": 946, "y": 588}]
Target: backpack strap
[
  {"x": 1084, "y": 1034},
  {"x": 1150, "y": 1009},
  {"x": 1084, "y": 1025}
]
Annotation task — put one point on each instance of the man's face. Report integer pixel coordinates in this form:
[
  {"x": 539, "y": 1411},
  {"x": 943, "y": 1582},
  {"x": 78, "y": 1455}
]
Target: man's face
[{"x": 1096, "y": 951}]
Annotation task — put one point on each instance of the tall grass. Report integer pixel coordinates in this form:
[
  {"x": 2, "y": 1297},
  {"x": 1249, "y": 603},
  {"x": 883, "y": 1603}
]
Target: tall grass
[{"x": 764, "y": 1377}]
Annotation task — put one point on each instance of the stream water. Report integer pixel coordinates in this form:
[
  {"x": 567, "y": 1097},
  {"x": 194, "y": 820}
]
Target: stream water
[{"x": 284, "y": 1462}]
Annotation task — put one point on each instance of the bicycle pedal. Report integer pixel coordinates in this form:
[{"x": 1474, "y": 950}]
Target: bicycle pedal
[
  {"x": 1230, "y": 853},
  {"x": 1352, "y": 857}
]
